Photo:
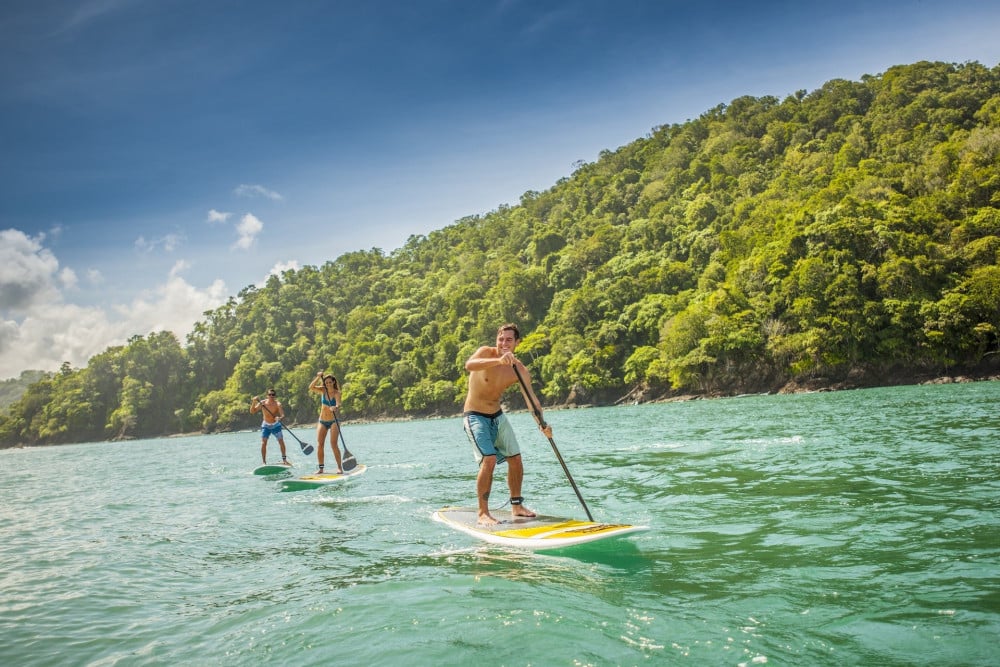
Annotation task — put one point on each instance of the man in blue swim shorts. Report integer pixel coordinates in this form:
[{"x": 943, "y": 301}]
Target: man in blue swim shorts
[
  {"x": 273, "y": 414},
  {"x": 491, "y": 373}
]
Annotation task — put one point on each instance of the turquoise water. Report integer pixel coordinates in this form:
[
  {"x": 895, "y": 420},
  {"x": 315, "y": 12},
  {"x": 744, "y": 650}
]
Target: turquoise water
[{"x": 848, "y": 528}]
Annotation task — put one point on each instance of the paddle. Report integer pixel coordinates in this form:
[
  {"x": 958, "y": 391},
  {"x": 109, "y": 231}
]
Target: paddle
[
  {"x": 538, "y": 418},
  {"x": 348, "y": 463},
  {"x": 306, "y": 449}
]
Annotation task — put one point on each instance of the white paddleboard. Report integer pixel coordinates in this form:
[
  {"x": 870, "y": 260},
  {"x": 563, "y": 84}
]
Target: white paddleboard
[
  {"x": 318, "y": 481},
  {"x": 540, "y": 532},
  {"x": 272, "y": 469}
]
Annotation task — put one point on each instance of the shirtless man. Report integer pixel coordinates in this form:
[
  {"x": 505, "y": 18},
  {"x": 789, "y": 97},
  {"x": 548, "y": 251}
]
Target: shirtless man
[
  {"x": 273, "y": 414},
  {"x": 491, "y": 373}
]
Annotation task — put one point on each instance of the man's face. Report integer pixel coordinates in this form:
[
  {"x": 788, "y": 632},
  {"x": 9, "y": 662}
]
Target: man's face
[{"x": 506, "y": 341}]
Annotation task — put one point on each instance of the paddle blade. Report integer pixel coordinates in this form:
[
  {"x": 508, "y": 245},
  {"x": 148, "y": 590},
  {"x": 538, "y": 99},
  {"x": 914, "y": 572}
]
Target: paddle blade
[
  {"x": 349, "y": 462},
  {"x": 307, "y": 449}
]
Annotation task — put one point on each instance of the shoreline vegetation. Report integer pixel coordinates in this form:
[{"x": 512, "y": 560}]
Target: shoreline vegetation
[
  {"x": 985, "y": 373},
  {"x": 841, "y": 238}
]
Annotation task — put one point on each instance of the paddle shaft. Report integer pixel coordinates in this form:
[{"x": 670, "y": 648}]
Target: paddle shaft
[
  {"x": 303, "y": 445},
  {"x": 348, "y": 457},
  {"x": 538, "y": 418}
]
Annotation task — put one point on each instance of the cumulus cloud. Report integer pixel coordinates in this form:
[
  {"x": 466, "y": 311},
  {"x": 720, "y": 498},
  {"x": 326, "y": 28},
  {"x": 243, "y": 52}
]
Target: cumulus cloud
[
  {"x": 67, "y": 277},
  {"x": 280, "y": 268},
  {"x": 47, "y": 337},
  {"x": 248, "y": 228},
  {"x": 256, "y": 191},
  {"x": 40, "y": 329},
  {"x": 217, "y": 216},
  {"x": 28, "y": 271},
  {"x": 174, "y": 305}
]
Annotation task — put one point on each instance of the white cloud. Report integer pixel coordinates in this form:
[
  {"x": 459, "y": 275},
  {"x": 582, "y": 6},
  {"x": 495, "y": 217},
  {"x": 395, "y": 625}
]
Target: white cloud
[
  {"x": 172, "y": 306},
  {"x": 278, "y": 269},
  {"x": 248, "y": 228},
  {"x": 256, "y": 191},
  {"x": 8, "y": 332},
  {"x": 179, "y": 265},
  {"x": 217, "y": 216},
  {"x": 67, "y": 277},
  {"x": 27, "y": 270},
  {"x": 50, "y": 335},
  {"x": 168, "y": 242},
  {"x": 40, "y": 330}
]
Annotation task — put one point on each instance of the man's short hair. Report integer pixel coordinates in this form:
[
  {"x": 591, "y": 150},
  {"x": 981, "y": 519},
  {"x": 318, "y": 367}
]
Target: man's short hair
[{"x": 510, "y": 327}]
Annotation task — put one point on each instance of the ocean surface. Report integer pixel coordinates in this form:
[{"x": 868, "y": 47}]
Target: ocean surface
[{"x": 849, "y": 528}]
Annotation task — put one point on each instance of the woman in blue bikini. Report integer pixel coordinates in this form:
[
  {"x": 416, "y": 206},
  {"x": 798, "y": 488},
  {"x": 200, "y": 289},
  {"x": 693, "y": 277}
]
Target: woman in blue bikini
[{"x": 330, "y": 401}]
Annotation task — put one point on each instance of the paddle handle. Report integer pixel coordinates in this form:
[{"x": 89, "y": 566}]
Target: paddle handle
[{"x": 538, "y": 418}]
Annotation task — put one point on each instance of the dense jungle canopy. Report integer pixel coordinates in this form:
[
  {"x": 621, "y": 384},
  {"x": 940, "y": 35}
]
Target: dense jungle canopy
[{"x": 851, "y": 231}]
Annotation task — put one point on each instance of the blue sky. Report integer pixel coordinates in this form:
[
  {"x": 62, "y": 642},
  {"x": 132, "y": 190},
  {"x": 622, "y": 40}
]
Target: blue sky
[{"x": 157, "y": 156}]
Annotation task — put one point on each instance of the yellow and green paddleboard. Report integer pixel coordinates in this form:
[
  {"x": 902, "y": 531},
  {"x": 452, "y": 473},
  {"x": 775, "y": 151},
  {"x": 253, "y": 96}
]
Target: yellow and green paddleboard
[
  {"x": 273, "y": 469},
  {"x": 540, "y": 532},
  {"x": 318, "y": 481}
]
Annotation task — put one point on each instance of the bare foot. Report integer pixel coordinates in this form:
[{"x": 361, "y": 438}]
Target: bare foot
[
  {"x": 485, "y": 519},
  {"x": 521, "y": 510}
]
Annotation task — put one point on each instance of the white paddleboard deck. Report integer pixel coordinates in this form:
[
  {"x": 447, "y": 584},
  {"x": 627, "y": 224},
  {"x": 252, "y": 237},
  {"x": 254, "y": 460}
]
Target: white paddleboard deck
[
  {"x": 540, "y": 532},
  {"x": 317, "y": 481}
]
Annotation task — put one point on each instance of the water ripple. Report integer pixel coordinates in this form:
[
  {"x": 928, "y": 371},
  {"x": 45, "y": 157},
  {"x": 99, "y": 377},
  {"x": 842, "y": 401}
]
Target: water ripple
[{"x": 824, "y": 529}]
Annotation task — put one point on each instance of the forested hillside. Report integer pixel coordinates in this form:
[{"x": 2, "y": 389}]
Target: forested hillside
[
  {"x": 851, "y": 231},
  {"x": 12, "y": 389}
]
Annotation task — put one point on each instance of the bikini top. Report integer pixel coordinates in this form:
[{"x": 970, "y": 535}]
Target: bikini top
[{"x": 332, "y": 402}]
